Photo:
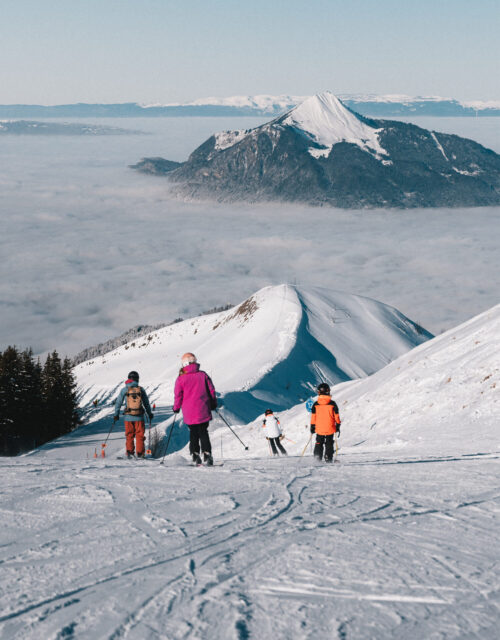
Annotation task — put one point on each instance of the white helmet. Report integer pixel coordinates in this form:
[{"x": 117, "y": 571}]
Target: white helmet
[{"x": 188, "y": 358}]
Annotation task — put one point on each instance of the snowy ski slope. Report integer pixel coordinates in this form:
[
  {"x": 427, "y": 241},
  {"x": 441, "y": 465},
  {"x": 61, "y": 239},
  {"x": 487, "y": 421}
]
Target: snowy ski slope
[
  {"x": 397, "y": 540},
  {"x": 441, "y": 398}
]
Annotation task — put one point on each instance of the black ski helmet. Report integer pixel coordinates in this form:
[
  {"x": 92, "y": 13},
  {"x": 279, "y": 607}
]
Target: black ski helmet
[
  {"x": 133, "y": 375},
  {"x": 324, "y": 389},
  {"x": 268, "y": 411}
]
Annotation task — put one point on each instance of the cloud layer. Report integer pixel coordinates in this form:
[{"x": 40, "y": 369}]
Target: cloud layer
[{"x": 91, "y": 248}]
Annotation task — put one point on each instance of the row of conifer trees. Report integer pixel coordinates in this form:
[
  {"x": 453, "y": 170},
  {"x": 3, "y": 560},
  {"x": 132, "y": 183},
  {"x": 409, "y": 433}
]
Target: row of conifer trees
[{"x": 37, "y": 402}]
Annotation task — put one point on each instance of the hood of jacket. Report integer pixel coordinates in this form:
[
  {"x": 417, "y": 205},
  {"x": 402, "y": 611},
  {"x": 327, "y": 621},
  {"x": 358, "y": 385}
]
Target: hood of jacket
[
  {"x": 324, "y": 399},
  {"x": 131, "y": 383},
  {"x": 191, "y": 368}
]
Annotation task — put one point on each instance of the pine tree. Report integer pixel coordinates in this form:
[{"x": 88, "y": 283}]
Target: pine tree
[
  {"x": 9, "y": 400},
  {"x": 71, "y": 417},
  {"x": 30, "y": 410},
  {"x": 51, "y": 393}
]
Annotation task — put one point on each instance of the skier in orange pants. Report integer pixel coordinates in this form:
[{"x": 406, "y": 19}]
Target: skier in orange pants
[{"x": 137, "y": 406}]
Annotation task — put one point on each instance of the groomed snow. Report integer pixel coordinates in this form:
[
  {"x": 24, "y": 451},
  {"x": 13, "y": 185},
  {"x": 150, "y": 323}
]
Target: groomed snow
[
  {"x": 326, "y": 121},
  {"x": 397, "y": 540}
]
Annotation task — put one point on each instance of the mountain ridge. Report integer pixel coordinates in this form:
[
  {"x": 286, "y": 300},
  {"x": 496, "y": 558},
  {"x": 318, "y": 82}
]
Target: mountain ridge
[
  {"x": 268, "y": 349},
  {"x": 391, "y": 105}
]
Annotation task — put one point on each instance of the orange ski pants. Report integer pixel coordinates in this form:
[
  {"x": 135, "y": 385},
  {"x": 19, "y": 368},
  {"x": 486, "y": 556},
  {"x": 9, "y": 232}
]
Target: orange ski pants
[{"x": 135, "y": 430}]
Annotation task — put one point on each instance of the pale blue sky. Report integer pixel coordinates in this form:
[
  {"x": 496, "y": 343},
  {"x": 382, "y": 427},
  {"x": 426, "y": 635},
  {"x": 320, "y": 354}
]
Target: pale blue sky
[{"x": 60, "y": 51}]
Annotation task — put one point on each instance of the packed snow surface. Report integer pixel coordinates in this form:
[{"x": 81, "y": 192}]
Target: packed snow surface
[
  {"x": 399, "y": 539},
  {"x": 327, "y": 122}
]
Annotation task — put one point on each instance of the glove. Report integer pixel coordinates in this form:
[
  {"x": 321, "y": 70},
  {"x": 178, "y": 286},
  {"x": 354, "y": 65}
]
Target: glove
[
  {"x": 176, "y": 410},
  {"x": 282, "y": 437},
  {"x": 338, "y": 429},
  {"x": 115, "y": 419},
  {"x": 313, "y": 429}
]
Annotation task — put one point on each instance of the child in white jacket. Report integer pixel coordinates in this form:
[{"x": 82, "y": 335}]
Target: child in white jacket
[{"x": 273, "y": 433}]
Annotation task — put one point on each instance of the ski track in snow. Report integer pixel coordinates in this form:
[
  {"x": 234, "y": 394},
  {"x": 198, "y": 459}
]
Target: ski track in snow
[{"x": 373, "y": 547}]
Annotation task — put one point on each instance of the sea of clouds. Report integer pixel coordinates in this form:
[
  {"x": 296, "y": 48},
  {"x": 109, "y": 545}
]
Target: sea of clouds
[{"x": 90, "y": 248}]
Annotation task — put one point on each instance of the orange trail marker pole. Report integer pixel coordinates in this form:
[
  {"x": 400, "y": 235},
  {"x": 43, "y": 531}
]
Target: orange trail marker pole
[
  {"x": 103, "y": 450},
  {"x": 105, "y": 441},
  {"x": 95, "y": 453}
]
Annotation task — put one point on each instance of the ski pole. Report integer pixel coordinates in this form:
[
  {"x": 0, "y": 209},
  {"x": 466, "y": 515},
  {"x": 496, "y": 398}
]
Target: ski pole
[
  {"x": 168, "y": 439},
  {"x": 230, "y": 428},
  {"x": 304, "y": 450},
  {"x": 336, "y": 446},
  {"x": 148, "y": 452},
  {"x": 104, "y": 444}
]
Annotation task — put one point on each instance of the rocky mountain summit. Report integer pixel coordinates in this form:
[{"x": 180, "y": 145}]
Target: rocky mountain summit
[{"x": 322, "y": 153}]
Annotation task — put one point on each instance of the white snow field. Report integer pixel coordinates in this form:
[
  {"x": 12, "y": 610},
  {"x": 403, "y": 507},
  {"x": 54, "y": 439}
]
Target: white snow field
[
  {"x": 399, "y": 539},
  {"x": 271, "y": 349}
]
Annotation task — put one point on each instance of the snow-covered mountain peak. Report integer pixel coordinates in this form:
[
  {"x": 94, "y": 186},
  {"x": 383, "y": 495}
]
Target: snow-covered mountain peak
[
  {"x": 269, "y": 349},
  {"x": 326, "y": 120}
]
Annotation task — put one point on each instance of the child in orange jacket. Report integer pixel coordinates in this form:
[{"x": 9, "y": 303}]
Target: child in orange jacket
[{"x": 325, "y": 422}]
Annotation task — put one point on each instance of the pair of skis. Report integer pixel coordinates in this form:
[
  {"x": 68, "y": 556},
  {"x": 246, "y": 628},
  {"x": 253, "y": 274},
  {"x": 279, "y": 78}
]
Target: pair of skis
[
  {"x": 336, "y": 447},
  {"x": 135, "y": 457},
  {"x": 202, "y": 464}
]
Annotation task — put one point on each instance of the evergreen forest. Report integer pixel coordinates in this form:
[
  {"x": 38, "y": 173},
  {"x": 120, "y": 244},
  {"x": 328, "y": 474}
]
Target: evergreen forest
[{"x": 37, "y": 402}]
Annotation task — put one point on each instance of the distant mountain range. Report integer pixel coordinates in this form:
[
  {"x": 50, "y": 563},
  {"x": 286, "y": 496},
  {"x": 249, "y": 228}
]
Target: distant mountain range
[
  {"x": 34, "y": 128},
  {"x": 323, "y": 153},
  {"x": 262, "y": 105}
]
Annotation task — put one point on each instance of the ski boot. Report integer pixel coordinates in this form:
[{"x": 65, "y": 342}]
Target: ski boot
[
  {"x": 196, "y": 459},
  {"x": 207, "y": 459},
  {"x": 130, "y": 456}
]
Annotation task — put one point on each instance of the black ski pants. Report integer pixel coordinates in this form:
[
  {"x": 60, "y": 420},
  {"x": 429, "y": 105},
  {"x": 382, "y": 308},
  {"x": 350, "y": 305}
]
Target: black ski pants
[
  {"x": 198, "y": 433},
  {"x": 275, "y": 442},
  {"x": 327, "y": 443}
]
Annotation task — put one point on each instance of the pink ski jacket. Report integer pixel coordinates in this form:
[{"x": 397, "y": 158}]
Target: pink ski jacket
[{"x": 194, "y": 393}]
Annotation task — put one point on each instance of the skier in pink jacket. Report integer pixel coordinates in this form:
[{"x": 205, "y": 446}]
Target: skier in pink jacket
[{"x": 194, "y": 393}]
